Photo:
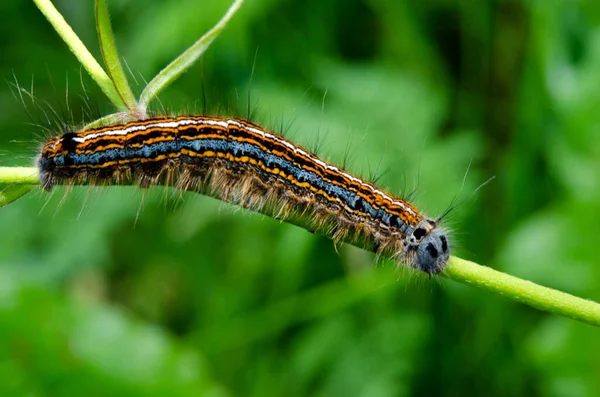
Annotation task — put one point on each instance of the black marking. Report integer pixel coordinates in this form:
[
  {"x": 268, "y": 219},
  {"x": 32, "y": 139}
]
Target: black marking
[
  {"x": 68, "y": 143},
  {"x": 419, "y": 233},
  {"x": 432, "y": 251}
]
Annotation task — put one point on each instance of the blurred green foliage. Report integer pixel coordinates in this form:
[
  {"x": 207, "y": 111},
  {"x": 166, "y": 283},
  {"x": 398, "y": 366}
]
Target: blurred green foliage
[{"x": 121, "y": 292}]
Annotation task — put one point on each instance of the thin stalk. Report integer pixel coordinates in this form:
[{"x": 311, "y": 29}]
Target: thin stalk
[
  {"x": 81, "y": 52},
  {"x": 542, "y": 298},
  {"x": 111, "y": 57}
]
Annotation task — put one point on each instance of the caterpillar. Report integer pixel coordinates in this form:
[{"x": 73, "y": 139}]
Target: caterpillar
[{"x": 241, "y": 163}]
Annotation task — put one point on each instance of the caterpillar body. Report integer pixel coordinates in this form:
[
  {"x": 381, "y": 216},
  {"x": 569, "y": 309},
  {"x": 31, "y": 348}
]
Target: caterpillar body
[{"x": 240, "y": 162}]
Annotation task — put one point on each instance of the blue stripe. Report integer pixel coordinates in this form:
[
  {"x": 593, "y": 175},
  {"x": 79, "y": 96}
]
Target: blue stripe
[{"x": 238, "y": 149}]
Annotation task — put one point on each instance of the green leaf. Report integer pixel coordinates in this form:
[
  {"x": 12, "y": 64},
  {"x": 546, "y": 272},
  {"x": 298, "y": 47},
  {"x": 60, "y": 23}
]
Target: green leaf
[
  {"x": 111, "y": 56},
  {"x": 13, "y": 192}
]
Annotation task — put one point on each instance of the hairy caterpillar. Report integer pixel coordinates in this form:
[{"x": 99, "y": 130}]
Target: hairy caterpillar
[{"x": 241, "y": 163}]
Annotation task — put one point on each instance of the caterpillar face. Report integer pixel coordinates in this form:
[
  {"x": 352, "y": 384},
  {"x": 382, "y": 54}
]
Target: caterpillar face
[{"x": 428, "y": 247}]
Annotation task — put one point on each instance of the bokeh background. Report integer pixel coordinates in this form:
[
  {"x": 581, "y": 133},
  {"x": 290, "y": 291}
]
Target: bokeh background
[{"x": 117, "y": 292}]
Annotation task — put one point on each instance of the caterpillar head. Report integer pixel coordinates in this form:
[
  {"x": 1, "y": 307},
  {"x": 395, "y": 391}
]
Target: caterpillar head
[
  {"x": 55, "y": 154},
  {"x": 429, "y": 248}
]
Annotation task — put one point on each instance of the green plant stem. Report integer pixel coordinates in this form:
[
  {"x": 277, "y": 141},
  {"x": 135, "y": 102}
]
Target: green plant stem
[
  {"x": 111, "y": 119},
  {"x": 20, "y": 181},
  {"x": 19, "y": 176},
  {"x": 542, "y": 298},
  {"x": 80, "y": 51},
  {"x": 111, "y": 56}
]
